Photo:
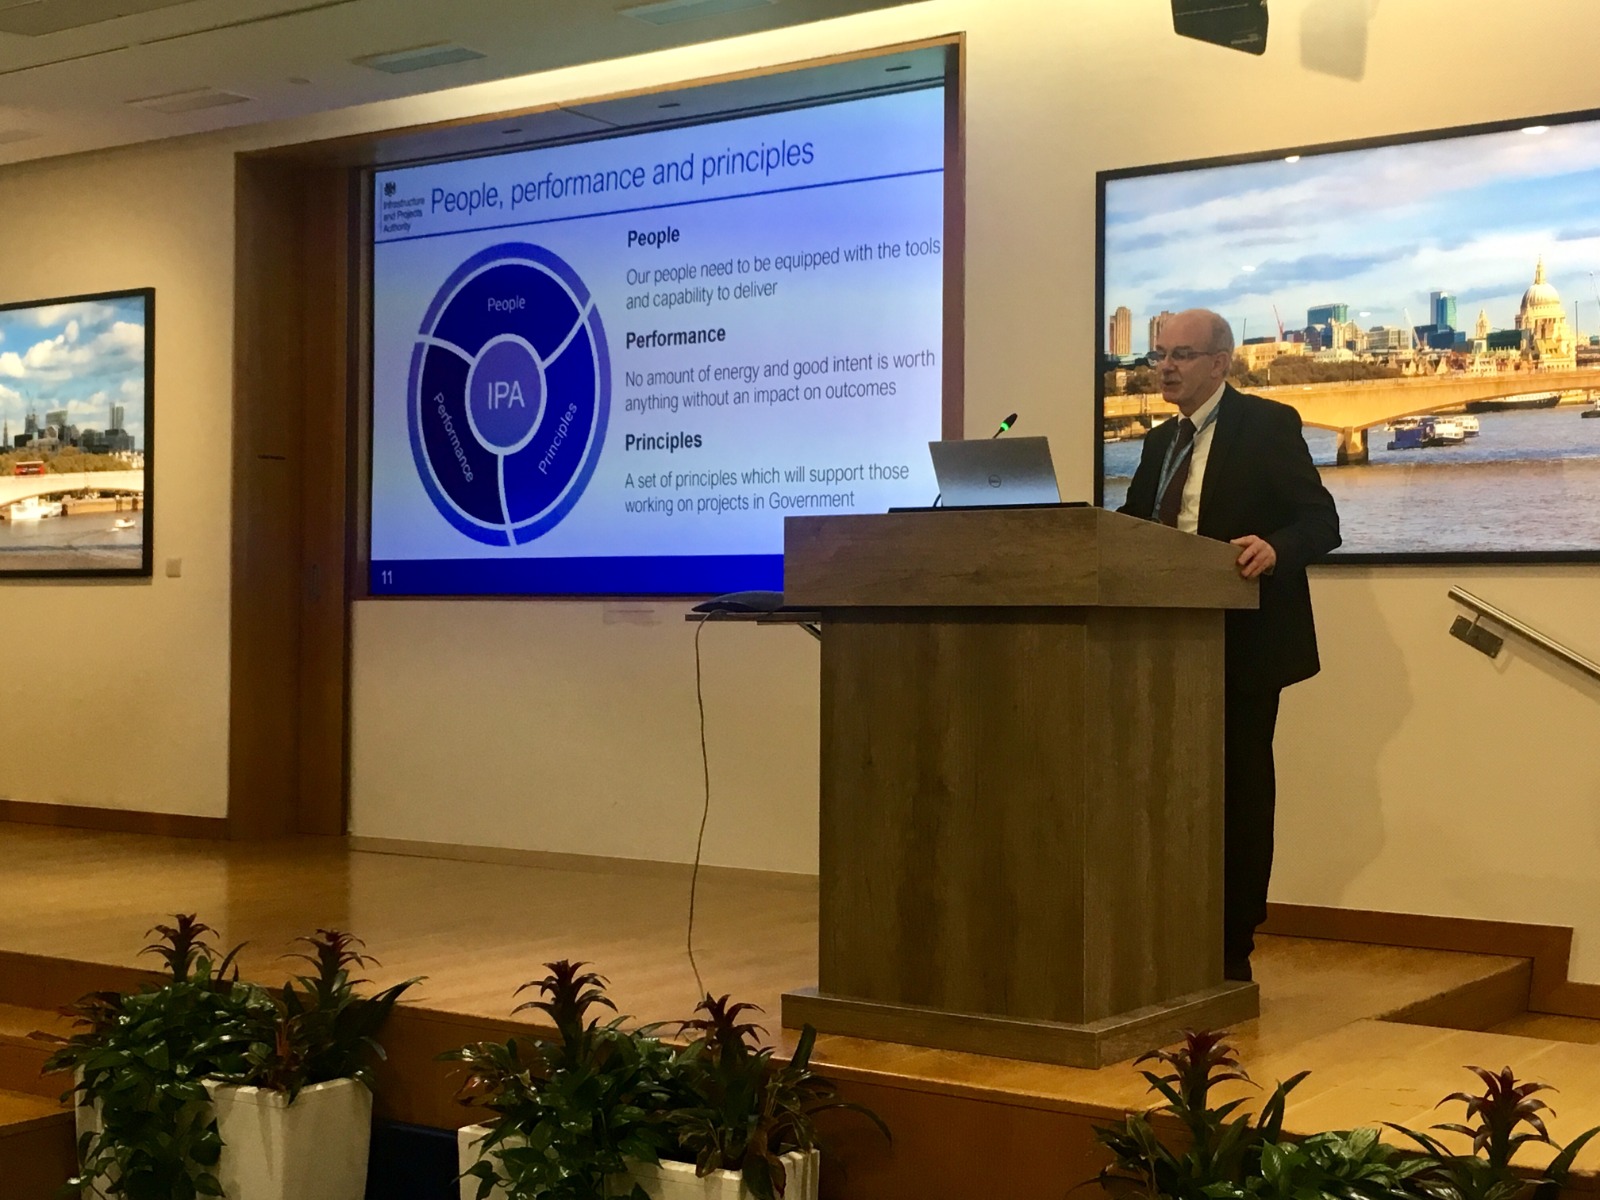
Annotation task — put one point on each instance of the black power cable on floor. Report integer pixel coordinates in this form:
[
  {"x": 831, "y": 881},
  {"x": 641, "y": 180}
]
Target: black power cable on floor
[{"x": 705, "y": 812}]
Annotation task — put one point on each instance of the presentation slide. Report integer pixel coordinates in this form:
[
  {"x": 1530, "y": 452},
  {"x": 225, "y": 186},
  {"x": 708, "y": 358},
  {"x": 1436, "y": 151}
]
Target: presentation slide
[{"x": 615, "y": 367}]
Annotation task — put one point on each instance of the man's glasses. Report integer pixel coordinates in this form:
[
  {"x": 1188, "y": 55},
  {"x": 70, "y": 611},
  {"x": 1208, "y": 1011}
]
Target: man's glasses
[{"x": 1180, "y": 355}]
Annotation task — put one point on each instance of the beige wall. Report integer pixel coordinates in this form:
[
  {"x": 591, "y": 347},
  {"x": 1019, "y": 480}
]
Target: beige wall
[
  {"x": 115, "y": 692},
  {"x": 1416, "y": 775}
]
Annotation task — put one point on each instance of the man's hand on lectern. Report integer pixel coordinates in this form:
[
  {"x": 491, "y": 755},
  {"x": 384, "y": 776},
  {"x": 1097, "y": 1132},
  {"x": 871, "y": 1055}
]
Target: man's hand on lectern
[{"x": 1257, "y": 556}]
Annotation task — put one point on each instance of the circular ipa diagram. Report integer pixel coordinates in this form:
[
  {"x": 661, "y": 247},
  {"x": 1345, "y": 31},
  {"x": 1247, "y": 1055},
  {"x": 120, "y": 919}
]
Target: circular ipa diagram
[{"x": 509, "y": 395}]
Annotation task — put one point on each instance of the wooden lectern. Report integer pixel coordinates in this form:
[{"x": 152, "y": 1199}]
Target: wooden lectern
[{"x": 1021, "y": 791}]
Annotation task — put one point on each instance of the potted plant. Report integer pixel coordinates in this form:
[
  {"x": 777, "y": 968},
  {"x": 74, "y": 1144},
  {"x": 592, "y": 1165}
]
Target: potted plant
[
  {"x": 1502, "y": 1119},
  {"x": 600, "y": 1111},
  {"x": 295, "y": 1117},
  {"x": 745, "y": 1120},
  {"x": 1219, "y": 1151},
  {"x": 202, "y": 1085},
  {"x": 570, "y": 1112},
  {"x": 1223, "y": 1156},
  {"x": 146, "y": 1127}
]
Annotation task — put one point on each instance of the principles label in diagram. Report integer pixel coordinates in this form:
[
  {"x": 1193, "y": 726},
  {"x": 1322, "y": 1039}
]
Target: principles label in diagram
[{"x": 510, "y": 392}]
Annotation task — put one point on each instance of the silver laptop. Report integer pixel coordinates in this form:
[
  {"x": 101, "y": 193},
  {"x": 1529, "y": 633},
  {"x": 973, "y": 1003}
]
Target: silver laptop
[{"x": 995, "y": 471}]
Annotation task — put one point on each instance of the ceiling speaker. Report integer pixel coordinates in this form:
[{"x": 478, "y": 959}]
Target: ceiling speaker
[{"x": 1237, "y": 24}]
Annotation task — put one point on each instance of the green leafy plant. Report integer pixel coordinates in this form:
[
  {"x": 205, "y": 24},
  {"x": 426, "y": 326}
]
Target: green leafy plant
[
  {"x": 573, "y": 1111},
  {"x": 1501, "y": 1119},
  {"x": 1221, "y": 1153},
  {"x": 140, "y": 1059},
  {"x": 320, "y": 1029},
  {"x": 1346, "y": 1165},
  {"x": 742, "y": 1110}
]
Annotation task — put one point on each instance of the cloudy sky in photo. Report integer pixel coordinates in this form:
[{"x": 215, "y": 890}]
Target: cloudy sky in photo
[
  {"x": 82, "y": 357},
  {"x": 1377, "y": 229}
]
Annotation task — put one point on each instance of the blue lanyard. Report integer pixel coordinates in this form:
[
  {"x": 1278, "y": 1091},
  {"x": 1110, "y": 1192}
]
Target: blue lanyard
[{"x": 1171, "y": 463}]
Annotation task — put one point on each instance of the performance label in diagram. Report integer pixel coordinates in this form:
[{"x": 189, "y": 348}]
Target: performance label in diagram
[{"x": 510, "y": 392}]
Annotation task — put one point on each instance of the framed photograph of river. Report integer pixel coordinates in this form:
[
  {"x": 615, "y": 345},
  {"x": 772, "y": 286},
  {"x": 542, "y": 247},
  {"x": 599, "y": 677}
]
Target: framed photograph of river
[
  {"x": 1428, "y": 303},
  {"x": 75, "y": 421}
]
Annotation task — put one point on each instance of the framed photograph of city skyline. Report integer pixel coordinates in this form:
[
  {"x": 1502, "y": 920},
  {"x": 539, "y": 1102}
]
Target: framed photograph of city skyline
[
  {"x": 76, "y": 378},
  {"x": 1429, "y": 303}
]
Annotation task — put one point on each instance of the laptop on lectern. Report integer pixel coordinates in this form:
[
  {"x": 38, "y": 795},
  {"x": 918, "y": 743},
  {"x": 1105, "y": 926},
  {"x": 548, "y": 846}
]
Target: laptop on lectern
[{"x": 995, "y": 472}]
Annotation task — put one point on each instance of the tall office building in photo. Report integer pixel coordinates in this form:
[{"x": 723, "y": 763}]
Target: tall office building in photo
[
  {"x": 1156, "y": 322},
  {"x": 1442, "y": 306},
  {"x": 1121, "y": 341},
  {"x": 1323, "y": 314}
]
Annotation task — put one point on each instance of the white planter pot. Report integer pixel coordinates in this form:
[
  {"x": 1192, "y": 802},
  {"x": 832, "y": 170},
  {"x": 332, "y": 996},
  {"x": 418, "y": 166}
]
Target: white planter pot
[
  {"x": 86, "y": 1119},
  {"x": 677, "y": 1181},
  {"x": 313, "y": 1149},
  {"x": 468, "y": 1152},
  {"x": 665, "y": 1181}
]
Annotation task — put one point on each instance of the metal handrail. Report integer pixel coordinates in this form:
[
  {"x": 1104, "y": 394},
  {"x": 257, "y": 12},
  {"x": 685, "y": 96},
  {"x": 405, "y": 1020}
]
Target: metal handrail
[{"x": 1484, "y": 609}]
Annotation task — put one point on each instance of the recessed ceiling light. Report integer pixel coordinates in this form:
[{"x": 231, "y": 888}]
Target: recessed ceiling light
[
  {"x": 1536, "y": 129},
  {"x": 189, "y": 101},
  {"x": 1292, "y": 158},
  {"x": 1247, "y": 268},
  {"x": 417, "y": 58},
  {"x": 1363, "y": 314},
  {"x": 672, "y": 12}
]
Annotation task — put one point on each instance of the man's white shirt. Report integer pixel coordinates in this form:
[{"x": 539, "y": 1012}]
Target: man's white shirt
[{"x": 1205, "y": 429}]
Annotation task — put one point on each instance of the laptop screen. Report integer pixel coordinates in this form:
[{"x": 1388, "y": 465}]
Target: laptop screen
[{"x": 995, "y": 471}]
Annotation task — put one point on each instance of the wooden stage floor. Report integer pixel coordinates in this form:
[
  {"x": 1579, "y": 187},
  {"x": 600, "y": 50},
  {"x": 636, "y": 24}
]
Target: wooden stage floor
[{"x": 477, "y": 930}]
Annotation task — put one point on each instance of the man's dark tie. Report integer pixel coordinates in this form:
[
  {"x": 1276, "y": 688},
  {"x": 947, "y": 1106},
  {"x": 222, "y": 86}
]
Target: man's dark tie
[{"x": 1172, "y": 498}]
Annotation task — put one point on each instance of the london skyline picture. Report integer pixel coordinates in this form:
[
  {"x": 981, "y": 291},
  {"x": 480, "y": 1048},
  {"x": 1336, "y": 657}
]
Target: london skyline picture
[
  {"x": 1431, "y": 307},
  {"x": 74, "y": 435}
]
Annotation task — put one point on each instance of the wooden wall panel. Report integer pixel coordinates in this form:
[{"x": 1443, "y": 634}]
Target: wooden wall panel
[
  {"x": 289, "y": 610},
  {"x": 268, "y": 385},
  {"x": 324, "y": 652}
]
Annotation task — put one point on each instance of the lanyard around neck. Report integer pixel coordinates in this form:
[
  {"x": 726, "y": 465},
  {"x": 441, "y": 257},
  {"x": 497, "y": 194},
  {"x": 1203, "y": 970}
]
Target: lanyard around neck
[{"x": 1173, "y": 460}]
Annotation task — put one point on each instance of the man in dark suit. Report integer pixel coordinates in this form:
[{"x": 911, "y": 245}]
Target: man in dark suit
[{"x": 1236, "y": 468}]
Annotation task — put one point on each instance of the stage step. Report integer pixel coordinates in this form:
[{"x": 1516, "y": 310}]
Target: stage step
[
  {"x": 37, "y": 1142},
  {"x": 22, "y": 1056},
  {"x": 37, "y": 1155},
  {"x": 1499, "y": 995}
]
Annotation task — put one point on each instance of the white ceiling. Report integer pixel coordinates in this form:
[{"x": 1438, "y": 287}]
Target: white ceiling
[{"x": 78, "y": 83}]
